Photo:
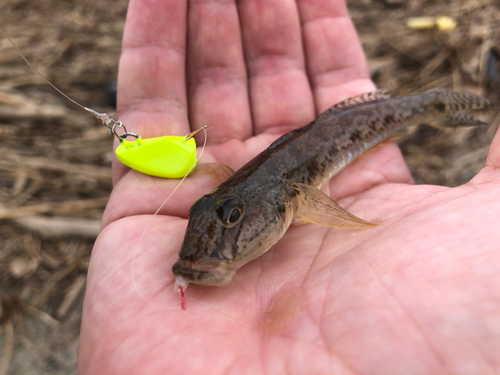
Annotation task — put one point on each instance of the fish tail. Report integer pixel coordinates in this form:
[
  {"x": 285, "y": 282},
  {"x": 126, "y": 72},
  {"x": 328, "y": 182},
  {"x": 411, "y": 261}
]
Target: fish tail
[{"x": 450, "y": 104}]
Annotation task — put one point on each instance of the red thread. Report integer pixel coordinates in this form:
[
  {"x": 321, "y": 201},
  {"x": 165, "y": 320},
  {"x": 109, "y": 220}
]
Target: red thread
[{"x": 183, "y": 301}]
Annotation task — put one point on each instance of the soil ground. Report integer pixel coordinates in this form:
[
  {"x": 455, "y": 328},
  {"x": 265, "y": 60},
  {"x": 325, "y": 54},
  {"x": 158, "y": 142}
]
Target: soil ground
[{"x": 55, "y": 158}]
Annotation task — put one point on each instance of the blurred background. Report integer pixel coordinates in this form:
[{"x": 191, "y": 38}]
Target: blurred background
[{"x": 55, "y": 158}]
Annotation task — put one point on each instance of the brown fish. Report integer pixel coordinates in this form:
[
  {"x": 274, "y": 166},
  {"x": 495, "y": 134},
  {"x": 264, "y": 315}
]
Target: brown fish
[{"x": 248, "y": 213}]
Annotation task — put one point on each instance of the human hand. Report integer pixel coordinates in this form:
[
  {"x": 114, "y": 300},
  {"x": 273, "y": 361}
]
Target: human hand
[{"x": 417, "y": 294}]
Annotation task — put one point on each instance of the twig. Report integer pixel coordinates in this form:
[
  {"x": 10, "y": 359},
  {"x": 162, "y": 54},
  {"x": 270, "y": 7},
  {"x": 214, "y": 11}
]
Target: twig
[
  {"x": 102, "y": 173},
  {"x": 68, "y": 206},
  {"x": 61, "y": 226},
  {"x": 53, "y": 280},
  {"x": 71, "y": 295},
  {"x": 8, "y": 348},
  {"x": 43, "y": 316}
]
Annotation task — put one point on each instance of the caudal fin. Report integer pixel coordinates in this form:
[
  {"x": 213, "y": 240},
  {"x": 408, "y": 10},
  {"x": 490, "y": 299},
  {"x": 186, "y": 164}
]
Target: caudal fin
[{"x": 450, "y": 103}]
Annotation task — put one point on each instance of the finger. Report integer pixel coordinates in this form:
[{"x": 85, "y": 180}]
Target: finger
[
  {"x": 138, "y": 194},
  {"x": 336, "y": 64},
  {"x": 217, "y": 89},
  {"x": 151, "y": 78},
  {"x": 337, "y": 70},
  {"x": 279, "y": 88}
]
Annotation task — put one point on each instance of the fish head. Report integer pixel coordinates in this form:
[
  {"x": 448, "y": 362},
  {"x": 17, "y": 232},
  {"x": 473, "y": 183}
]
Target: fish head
[{"x": 226, "y": 231}]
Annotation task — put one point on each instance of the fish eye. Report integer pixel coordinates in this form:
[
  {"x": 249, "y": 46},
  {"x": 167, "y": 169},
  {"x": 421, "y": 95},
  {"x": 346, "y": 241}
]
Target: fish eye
[
  {"x": 230, "y": 211},
  {"x": 234, "y": 215}
]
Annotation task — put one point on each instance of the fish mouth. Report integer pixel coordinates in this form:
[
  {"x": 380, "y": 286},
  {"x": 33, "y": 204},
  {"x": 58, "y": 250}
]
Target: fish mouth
[
  {"x": 187, "y": 272},
  {"x": 216, "y": 275}
]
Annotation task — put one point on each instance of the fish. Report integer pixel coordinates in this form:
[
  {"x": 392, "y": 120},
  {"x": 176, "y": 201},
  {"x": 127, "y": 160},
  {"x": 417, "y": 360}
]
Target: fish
[{"x": 252, "y": 210}]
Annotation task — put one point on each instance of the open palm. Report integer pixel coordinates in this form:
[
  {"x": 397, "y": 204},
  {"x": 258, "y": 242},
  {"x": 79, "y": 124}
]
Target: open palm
[{"x": 417, "y": 294}]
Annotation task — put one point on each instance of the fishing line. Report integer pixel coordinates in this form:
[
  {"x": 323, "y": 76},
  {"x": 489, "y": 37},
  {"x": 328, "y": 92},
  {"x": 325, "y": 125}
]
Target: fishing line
[
  {"x": 151, "y": 220},
  {"x": 167, "y": 142},
  {"x": 101, "y": 116},
  {"x": 41, "y": 75}
]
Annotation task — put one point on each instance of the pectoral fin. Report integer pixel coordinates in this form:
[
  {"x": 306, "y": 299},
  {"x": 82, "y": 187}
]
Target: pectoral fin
[
  {"x": 220, "y": 171},
  {"x": 316, "y": 207}
]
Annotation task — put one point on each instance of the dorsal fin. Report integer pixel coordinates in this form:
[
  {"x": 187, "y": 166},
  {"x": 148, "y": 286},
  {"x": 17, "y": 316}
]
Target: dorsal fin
[{"x": 367, "y": 97}]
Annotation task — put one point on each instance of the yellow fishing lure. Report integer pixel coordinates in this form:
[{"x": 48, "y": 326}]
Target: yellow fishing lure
[{"x": 167, "y": 156}]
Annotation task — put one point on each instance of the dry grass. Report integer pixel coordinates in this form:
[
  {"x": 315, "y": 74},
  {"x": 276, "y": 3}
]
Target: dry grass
[
  {"x": 466, "y": 58},
  {"x": 54, "y": 158},
  {"x": 54, "y": 173}
]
